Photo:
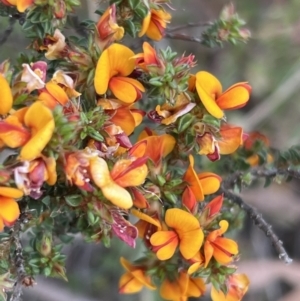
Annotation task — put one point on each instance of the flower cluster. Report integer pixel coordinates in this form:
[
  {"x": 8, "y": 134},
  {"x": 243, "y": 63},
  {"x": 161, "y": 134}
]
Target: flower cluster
[{"x": 66, "y": 125}]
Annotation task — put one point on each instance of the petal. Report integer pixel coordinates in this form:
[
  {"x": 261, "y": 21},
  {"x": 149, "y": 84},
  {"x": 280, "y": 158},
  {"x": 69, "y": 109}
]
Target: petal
[
  {"x": 129, "y": 173},
  {"x": 113, "y": 192},
  {"x": 196, "y": 287},
  {"x": 102, "y": 73},
  {"x": 164, "y": 244},
  {"x": 120, "y": 62},
  {"x": 218, "y": 295},
  {"x": 41, "y": 122},
  {"x": 224, "y": 249},
  {"x": 231, "y": 139},
  {"x": 190, "y": 243},
  {"x": 57, "y": 92},
  {"x": 145, "y": 24},
  {"x": 139, "y": 199},
  {"x": 129, "y": 284},
  {"x": 9, "y": 210},
  {"x": 6, "y": 96},
  {"x": 170, "y": 290},
  {"x": 48, "y": 100},
  {"x": 233, "y": 98},
  {"x": 145, "y": 217},
  {"x": 208, "y": 252},
  {"x": 124, "y": 119},
  {"x": 189, "y": 199},
  {"x": 210, "y": 182},
  {"x": 181, "y": 220},
  {"x": 22, "y": 5},
  {"x": 215, "y": 205},
  {"x": 141, "y": 277},
  {"x": 209, "y": 88},
  {"x": 191, "y": 177},
  {"x": 51, "y": 170},
  {"x": 125, "y": 89},
  {"x": 11, "y": 192}
]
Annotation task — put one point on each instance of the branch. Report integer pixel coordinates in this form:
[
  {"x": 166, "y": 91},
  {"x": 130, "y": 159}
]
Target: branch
[
  {"x": 182, "y": 37},
  {"x": 8, "y": 30},
  {"x": 22, "y": 278},
  {"x": 261, "y": 223}
]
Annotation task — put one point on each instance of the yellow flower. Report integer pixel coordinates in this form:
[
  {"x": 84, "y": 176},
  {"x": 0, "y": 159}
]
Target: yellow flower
[
  {"x": 210, "y": 92},
  {"x": 9, "y": 209},
  {"x": 219, "y": 247},
  {"x": 186, "y": 233},
  {"x": 113, "y": 67},
  {"x": 154, "y": 24},
  {"x": 237, "y": 285},
  {"x": 134, "y": 280},
  {"x": 21, "y": 5}
]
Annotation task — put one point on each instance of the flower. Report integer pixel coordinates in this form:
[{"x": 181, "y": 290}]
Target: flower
[
  {"x": 154, "y": 24},
  {"x": 55, "y": 45},
  {"x": 39, "y": 123},
  {"x": 113, "y": 67},
  {"x": 229, "y": 139},
  {"x": 182, "y": 287},
  {"x": 170, "y": 113},
  {"x": 201, "y": 184},
  {"x": 210, "y": 92},
  {"x": 135, "y": 279},
  {"x": 6, "y": 96},
  {"x": 9, "y": 209},
  {"x": 186, "y": 233},
  {"x": 108, "y": 29},
  {"x": 221, "y": 248},
  {"x": 157, "y": 147},
  {"x": 33, "y": 76},
  {"x": 237, "y": 285},
  {"x": 31, "y": 175},
  {"x": 21, "y": 5}
]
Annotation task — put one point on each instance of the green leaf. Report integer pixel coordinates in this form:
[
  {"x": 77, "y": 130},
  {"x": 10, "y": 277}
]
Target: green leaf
[
  {"x": 184, "y": 122},
  {"x": 74, "y": 200}
]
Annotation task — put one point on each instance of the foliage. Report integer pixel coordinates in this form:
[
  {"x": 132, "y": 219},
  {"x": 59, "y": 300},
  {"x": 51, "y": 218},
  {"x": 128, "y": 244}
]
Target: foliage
[{"x": 70, "y": 164}]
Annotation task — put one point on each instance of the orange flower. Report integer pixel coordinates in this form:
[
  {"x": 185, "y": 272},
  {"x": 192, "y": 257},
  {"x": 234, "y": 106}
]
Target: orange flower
[
  {"x": 108, "y": 29},
  {"x": 231, "y": 137},
  {"x": 134, "y": 280},
  {"x": 221, "y": 248},
  {"x": 210, "y": 92},
  {"x": 201, "y": 184},
  {"x": 157, "y": 147},
  {"x": 21, "y": 5},
  {"x": 237, "y": 285},
  {"x": 127, "y": 117},
  {"x": 9, "y": 209},
  {"x": 196, "y": 261},
  {"x": 182, "y": 288},
  {"x": 154, "y": 24},
  {"x": 113, "y": 67},
  {"x": 186, "y": 233}
]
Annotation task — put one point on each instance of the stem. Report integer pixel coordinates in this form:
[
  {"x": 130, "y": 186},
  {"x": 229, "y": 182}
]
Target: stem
[
  {"x": 189, "y": 25},
  {"x": 182, "y": 37},
  {"x": 260, "y": 222}
]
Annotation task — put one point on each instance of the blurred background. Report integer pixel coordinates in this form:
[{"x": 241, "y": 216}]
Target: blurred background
[{"x": 270, "y": 62}]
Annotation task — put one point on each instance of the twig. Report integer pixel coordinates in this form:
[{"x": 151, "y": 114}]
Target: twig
[
  {"x": 8, "y": 30},
  {"x": 183, "y": 37},
  {"x": 261, "y": 223},
  {"x": 22, "y": 278},
  {"x": 189, "y": 25}
]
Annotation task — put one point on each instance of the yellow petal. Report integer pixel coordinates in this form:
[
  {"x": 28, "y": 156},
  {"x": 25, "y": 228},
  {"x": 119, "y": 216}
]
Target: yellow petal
[
  {"x": 102, "y": 73},
  {"x": 9, "y": 210},
  {"x": 57, "y": 92},
  {"x": 113, "y": 192},
  {"x": 190, "y": 242},
  {"x": 209, "y": 88},
  {"x": 22, "y": 5},
  {"x": 231, "y": 139},
  {"x": 11, "y": 192},
  {"x": 145, "y": 24},
  {"x": 181, "y": 220},
  {"x": 41, "y": 122},
  {"x": 6, "y": 96}
]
